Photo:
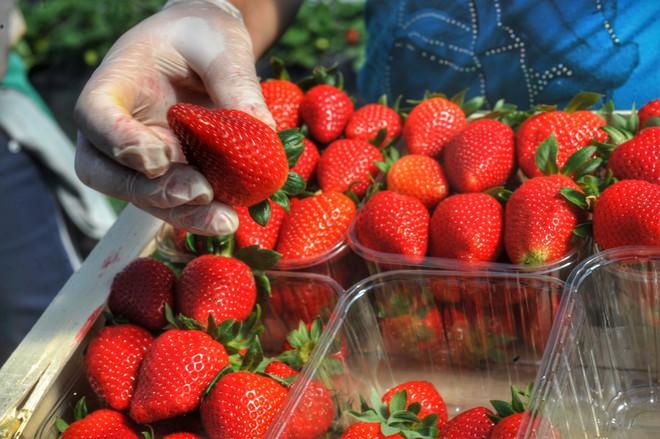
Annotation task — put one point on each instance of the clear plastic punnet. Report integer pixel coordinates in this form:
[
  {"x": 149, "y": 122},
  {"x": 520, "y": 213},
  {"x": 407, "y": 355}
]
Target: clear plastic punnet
[
  {"x": 472, "y": 334},
  {"x": 43, "y": 379},
  {"x": 338, "y": 262},
  {"x": 600, "y": 376},
  {"x": 378, "y": 261}
]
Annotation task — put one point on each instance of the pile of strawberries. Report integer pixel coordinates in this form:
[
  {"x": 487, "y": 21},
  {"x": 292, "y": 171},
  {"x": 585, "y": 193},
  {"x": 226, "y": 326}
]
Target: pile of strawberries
[{"x": 183, "y": 353}]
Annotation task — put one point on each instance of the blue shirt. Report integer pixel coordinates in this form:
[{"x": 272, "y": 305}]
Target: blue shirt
[{"x": 526, "y": 51}]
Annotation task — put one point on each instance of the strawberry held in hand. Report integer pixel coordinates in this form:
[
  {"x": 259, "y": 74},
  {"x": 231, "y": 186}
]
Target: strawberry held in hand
[{"x": 242, "y": 158}]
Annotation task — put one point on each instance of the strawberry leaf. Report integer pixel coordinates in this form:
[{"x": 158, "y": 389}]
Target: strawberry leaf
[
  {"x": 578, "y": 160},
  {"x": 169, "y": 316},
  {"x": 588, "y": 169},
  {"x": 61, "y": 424},
  {"x": 80, "y": 410},
  {"x": 292, "y": 141},
  {"x": 582, "y": 101},
  {"x": 263, "y": 283},
  {"x": 583, "y": 230},
  {"x": 652, "y": 122},
  {"x": 279, "y": 69},
  {"x": 576, "y": 197},
  {"x": 398, "y": 401},
  {"x": 282, "y": 200},
  {"x": 260, "y": 212},
  {"x": 258, "y": 258},
  {"x": 294, "y": 184},
  {"x": 546, "y": 156},
  {"x": 253, "y": 356}
]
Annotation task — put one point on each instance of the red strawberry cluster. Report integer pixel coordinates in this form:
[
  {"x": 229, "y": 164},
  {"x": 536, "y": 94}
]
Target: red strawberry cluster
[
  {"x": 181, "y": 356},
  {"x": 513, "y": 187},
  {"x": 416, "y": 409}
]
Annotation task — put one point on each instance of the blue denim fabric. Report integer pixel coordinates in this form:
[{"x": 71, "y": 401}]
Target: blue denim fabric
[
  {"x": 34, "y": 263},
  {"x": 526, "y": 51}
]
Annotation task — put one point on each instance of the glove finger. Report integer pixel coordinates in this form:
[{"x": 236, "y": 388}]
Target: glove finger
[
  {"x": 214, "y": 219},
  {"x": 226, "y": 66},
  {"x": 180, "y": 185},
  {"x": 105, "y": 117}
]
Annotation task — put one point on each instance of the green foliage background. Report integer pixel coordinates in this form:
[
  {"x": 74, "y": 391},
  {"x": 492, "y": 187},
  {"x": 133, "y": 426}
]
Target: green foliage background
[{"x": 82, "y": 31}]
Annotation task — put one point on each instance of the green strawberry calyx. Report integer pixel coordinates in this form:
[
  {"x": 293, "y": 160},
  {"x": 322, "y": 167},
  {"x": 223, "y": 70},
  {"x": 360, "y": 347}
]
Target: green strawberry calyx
[
  {"x": 292, "y": 141},
  {"x": 518, "y": 403},
  {"x": 302, "y": 341},
  {"x": 396, "y": 418}
]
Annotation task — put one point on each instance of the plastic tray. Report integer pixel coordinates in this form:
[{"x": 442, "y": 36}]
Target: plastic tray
[
  {"x": 339, "y": 262},
  {"x": 43, "y": 378},
  {"x": 436, "y": 338},
  {"x": 378, "y": 262},
  {"x": 601, "y": 373}
]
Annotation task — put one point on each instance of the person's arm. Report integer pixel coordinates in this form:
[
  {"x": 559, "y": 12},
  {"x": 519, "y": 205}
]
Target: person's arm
[{"x": 266, "y": 20}]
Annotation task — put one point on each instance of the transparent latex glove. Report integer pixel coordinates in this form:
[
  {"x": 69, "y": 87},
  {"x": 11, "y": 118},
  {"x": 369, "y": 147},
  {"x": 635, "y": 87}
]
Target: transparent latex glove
[{"x": 194, "y": 51}]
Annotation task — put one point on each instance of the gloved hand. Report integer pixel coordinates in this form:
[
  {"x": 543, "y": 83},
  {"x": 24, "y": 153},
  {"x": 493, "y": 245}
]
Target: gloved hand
[{"x": 192, "y": 51}]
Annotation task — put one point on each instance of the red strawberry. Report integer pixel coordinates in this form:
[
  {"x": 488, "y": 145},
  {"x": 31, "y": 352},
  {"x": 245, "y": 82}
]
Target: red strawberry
[
  {"x": 480, "y": 156},
  {"x": 326, "y": 109},
  {"x": 103, "y": 424},
  {"x": 430, "y": 124},
  {"x": 283, "y": 99},
  {"x": 425, "y": 393},
  {"x": 140, "y": 292},
  {"x": 627, "y": 213},
  {"x": 539, "y": 221},
  {"x": 242, "y": 158},
  {"x": 314, "y": 225},
  {"x": 112, "y": 360},
  {"x": 347, "y": 161},
  {"x": 174, "y": 374},
  {"x": 473, "y": 423},
  {"x": 573, "y": 131},
  {"x": 467, "y": 227},
  {"x": 241, "y": 405},
  {"x": 297, "y": 300},
  {"x": 314, "y": 413},
  {"x": 638, "y": 158},
  {"x": 218, "y": 285},
  {"x": 393, "y": 223},
  {"x": 648, "y": 110},
  {"x": 367, "y": 121},
  {"x": 280, "y": 370},
  {"x": 306, "y": 164},
  {"x": 414, "y": 334},
  {"x": 250, "y": 233},
  {"x": 365, "y": 430},
  {"x": 418, "y": 176},
  {"x": 183, "y": 435}
]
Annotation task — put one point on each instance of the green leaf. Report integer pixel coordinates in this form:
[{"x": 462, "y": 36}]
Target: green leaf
[
  {"x": 652, "y": 122},
  {"x": 258, "y": 258},
  {"x": 473, "y": 105},
  {"x": 292, "y": 141},
  {"x": 546, "y": 156},
  {"x": 61, "y": 424},
  {"x": 399, "y": 401},
  {"x": 260, "y": 212},
  {"x": 294, "y": 184},
  {"x": 503, "y": 408},
  {"x": 253, "y": 356},
  {"x": 80, "y": 410},
  {"x": 578, "y": 159},
  {"x": 279, "y": 68},
  {"x": 282, "y": 200},
  {"x": 583, "y": 230},
  {"x": 263, "y": 283},
  {"x": 574, "y": 196},
  {"x": 582, "y": 101},
  {"x": 591, "y": 167},
  {"x": 388, "y": 430}
]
